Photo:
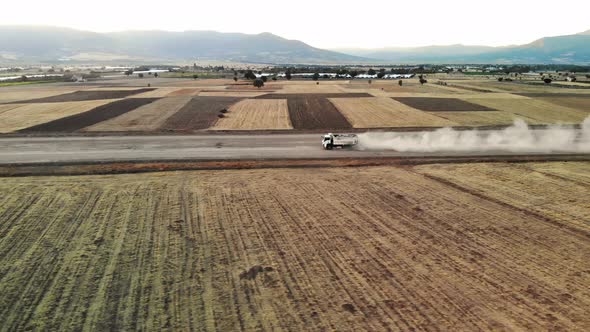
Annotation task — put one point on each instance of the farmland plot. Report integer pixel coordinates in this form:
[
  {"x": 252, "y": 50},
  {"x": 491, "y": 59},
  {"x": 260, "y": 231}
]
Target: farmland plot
[
  {"x": 559, "y": 193},
  {"x": 315, "y": 113},
  {"x": 80, "y": 120},
  {"x": 156, "y": 93},
  {"x": 299, "y": 249},
  {"x": 442, "y": 104},
  {"x": 385, "y": 112},
  {"x": 145, "y": 118},
  {"x": 86, "y": 95},
  {"x": 23, "y": 116},
  {"x": 198, "y": 113},
  {"x": 256, "y": 114},
  {"x": 581, "y": 103},
  {"x": 21, "y": 93},
  {"x": 184, "y": 92},
  {"x": 534, "y": 111},
  {"x": 485, "y": 118}
]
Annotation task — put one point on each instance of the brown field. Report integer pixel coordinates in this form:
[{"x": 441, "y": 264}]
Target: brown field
[
  {"x": 95, "y": 115},
  {"x": 439, "y": 247},
  {"x": 20, "y": 93},
  {"x": 476, "y": 119},
  {"x": 148, "y": 117},
  {"x": 86, "y": 95},
  {"x": 313, "y": 95},
  {"x": 393, "y": 86},
  {"x": 310, "y": 112},
  {"x": 256, "y": 114},
  {"x": 23, "y": 116},
  {"x": 184, "y": 92},
  {"x": 224, "y": 93},
  {"x": 156, "y": 93},
  {"x": 198, "y": 113},
  {"x": 534, "y": 111},
  {"x": 385, "y": 112},
  {"x": 442, "y": 104}
]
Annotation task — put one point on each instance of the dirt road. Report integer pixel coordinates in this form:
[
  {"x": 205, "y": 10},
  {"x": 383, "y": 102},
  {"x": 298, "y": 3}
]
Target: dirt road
[{"x": 203, "y": 147}]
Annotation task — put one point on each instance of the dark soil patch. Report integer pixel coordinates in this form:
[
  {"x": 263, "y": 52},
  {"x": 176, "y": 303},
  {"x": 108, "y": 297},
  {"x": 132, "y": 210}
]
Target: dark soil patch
[
  {"x": 251, "y": 273},
  {"x": 98, "y": 114},
  {"x": 87, "y": 95},
  {"x": 442, "y": 104},
  {"x": 199, "y": 113},
  {"x": 349, "y": 307},
  {"x": 315, "y": 113},
  {"x": 314, "y": 95}
]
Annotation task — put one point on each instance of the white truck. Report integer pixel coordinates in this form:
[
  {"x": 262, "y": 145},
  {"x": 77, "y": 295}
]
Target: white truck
[{"x": 330, "y": 141}]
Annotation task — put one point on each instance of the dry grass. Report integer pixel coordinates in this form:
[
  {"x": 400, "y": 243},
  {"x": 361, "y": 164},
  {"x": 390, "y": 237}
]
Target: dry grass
[
  {"x": 385, "y": 112},
  {"x": 252, "y": 114},
  {"x": 478, "y": 118},
  {"x": 577, "y": 103},
  {"x": 312, "y": 87},
  {"x": 184, "y": 92},
  {"x": 298, "y": 249},
  {"x": 145, "y": 118},
  {"x": 534, "y": 111},
  {"x": 30, "y": 115}
]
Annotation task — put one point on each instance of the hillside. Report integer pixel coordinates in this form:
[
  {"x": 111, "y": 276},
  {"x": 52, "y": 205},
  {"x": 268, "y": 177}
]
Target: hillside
[{"x": 50, "y": 44}]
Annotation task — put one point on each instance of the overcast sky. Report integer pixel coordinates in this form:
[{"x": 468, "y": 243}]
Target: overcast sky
[{"x": 322, "y": 23}]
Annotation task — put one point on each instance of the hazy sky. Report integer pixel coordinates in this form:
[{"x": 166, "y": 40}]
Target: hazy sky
[{"x": 321, "y": 23}]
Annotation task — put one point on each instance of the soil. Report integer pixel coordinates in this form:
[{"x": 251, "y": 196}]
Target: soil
[
  {"x": 98, "y": 114},
  {"x": 442, "y": 104},
  {"x": 313, "y": 95},
  {"x": 312, "y": 112},
  {"x": 87, "y": 95},
  {"x": 199, "y": 113}
]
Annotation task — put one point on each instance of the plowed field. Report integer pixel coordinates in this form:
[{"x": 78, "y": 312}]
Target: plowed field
[
  {"x": 378, "y": 248},
  {"x": 385, "y": 112},
  {"x": 315, "y": 113},
  {"x": 86, "y": 95},
  {"x": 145, "y": 118},
  {"x": 29, "y": 115},
  {"x": 198, "y": 113},
  {"x": 256, "y": 114},
  {"x": 81, "y": 120}
]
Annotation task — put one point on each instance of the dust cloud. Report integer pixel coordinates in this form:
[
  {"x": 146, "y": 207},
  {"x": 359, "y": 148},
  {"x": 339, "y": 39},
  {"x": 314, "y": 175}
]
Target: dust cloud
[{"x": 516, "y": 138}]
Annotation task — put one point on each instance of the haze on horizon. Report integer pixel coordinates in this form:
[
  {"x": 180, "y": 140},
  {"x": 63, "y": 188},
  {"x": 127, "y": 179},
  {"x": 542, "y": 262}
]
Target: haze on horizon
[{"x": 324, "y": 24}]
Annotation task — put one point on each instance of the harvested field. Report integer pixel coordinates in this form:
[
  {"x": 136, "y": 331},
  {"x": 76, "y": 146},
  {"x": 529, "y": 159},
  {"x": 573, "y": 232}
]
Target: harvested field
[
  {"x": 385, "y": 112},
  {"x": 315, "y": 113},
  {"x": 312, "y": 87},
  {"x": 534, "y": 111},
  {"x": 86, "y": 95},
  {"x": 330, "y": 249},
  {"x": 251, "y": 87},
  {"x": 28, "y": 115},
  {"x": 442, "y": 104},
  {"x": 313, "y": 95},
  {"x": 184, "y": 92},
  {"x": 224, "y": 93},
  {"x": 478, "y": 118},
  {"x": 198, "y": 113},
  {"x": 21, "y": 93},
  {"x": 95, "y": 115},
  {"x": 8, "y": 107},
  {"x": 256, "y": 114},
  {"x": 581, "y": 103},
  {"x": 148, "y": 117},
  {"x": 393, "y": 86},
  {"x": 156, "y": 93}
]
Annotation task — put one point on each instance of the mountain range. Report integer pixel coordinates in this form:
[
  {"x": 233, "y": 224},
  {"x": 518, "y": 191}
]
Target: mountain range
[{"x": 39, "y": 44}]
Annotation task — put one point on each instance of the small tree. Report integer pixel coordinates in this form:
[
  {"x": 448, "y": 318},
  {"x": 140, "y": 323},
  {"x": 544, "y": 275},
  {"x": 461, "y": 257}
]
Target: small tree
[
  {"x": 371, "y": 71},
  {"x": 370, "y": 81},
  {"x": 288, "y": 75},
  {"x": 500, "y": 79},
  {"x": 547, "y": 80},
  {"x": 24, "y": 78},
  {"x": 316, "y": 76},
  {"x": 195, "y": 77},
  {"x": 587, "y": 76},
  {"x": 258, "y": 83},
  {"x": 140, "y": 75},
  {"x": 380, "y": 74},
  {"x": 250, "y": 75},
  {"x": 156, "y": 75},
  {"x": 264, "y": 79},
  {"x": 400, "y": 82},
  {"x": 422, "y": 81},
  {"x": 235, "y": 78},
  {"x": 128, "y": 72},
  {"x": 274, "y": 78}
]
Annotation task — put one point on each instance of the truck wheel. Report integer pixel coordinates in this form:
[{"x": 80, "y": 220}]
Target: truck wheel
[{"x": 329, "y": 147}]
